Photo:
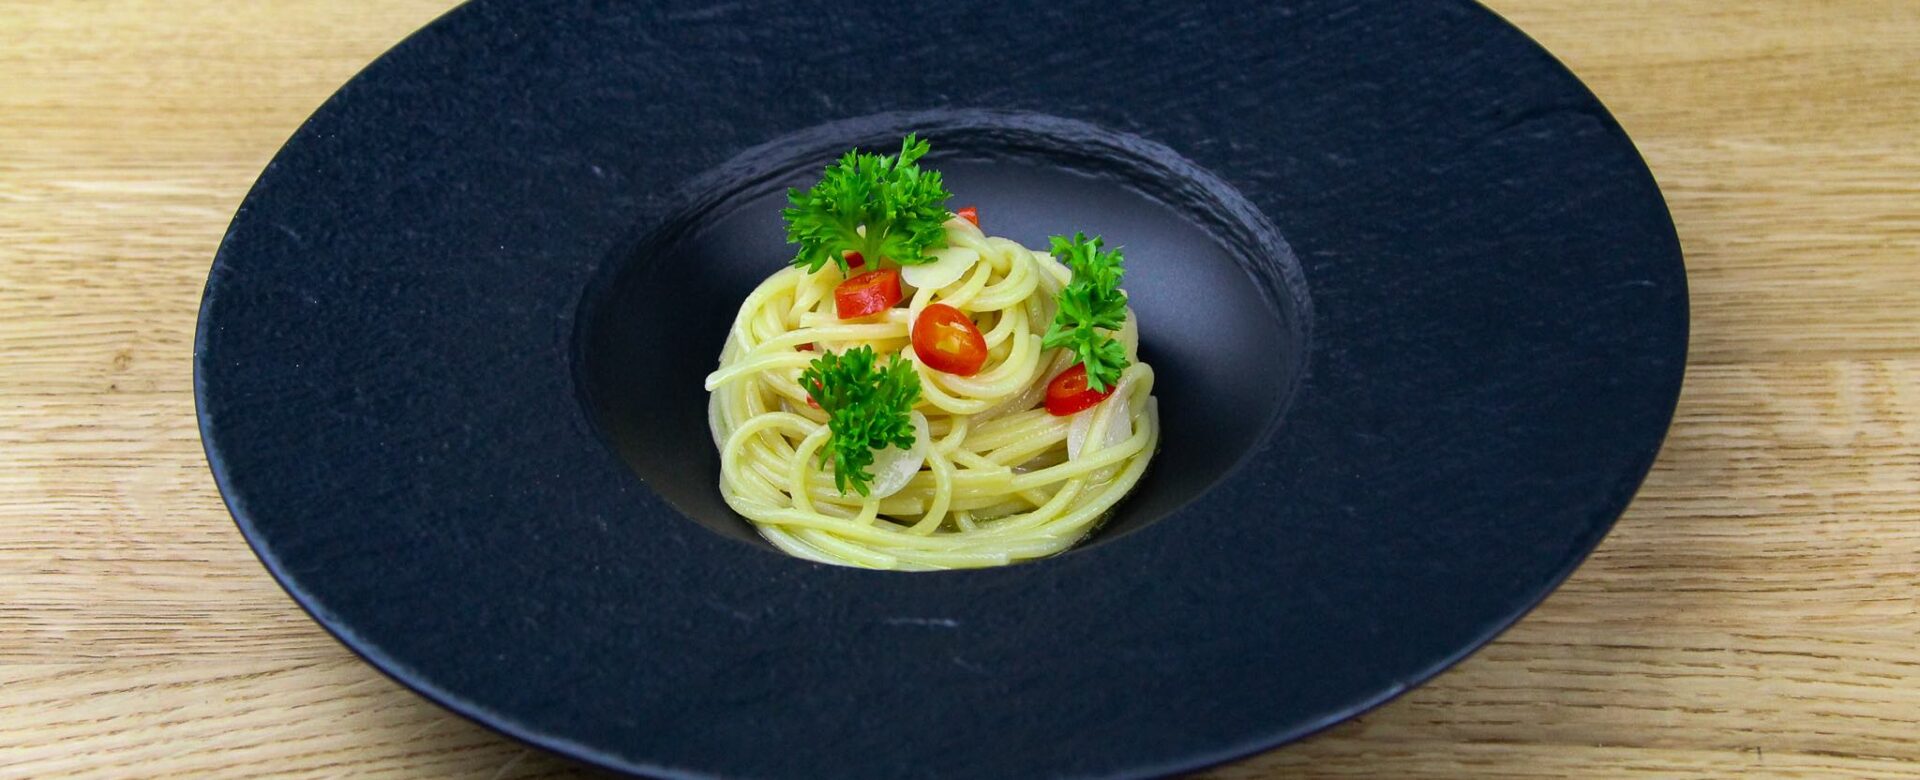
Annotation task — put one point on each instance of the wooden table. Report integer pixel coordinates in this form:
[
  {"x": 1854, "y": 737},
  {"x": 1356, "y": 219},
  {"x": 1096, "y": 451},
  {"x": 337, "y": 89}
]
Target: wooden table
[{"x": 1756, "y": 613}]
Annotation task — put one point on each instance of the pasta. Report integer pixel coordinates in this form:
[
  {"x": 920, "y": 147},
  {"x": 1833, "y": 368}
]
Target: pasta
[{"x": 992, "y": 477}]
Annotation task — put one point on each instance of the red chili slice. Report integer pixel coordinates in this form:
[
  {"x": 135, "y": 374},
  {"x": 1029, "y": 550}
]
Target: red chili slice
[
  {"x": 1068, "y": 393},
  {"x": 867, "y": 294},
  {"x": 947, "y": 340}
]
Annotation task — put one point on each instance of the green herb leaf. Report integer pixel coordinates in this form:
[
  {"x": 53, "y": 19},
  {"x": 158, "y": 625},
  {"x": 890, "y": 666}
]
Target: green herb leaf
[
  {"x": 1089, "y": 307},
  {"x": 867, "y": 406},
  {"x": 882, "y": 206}
]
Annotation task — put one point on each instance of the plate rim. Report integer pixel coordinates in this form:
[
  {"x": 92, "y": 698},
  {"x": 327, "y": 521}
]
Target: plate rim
[{"x": 508, "y": 725}]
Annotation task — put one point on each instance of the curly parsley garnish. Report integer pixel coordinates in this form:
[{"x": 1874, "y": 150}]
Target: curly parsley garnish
[
  {"x": 900, "y": 207},
  {"x": 867, "y": 406},
  {"x": 1090, "y": 306}
]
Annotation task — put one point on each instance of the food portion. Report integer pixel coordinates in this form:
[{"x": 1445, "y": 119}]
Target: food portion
[{"x": 912, "y": 393}]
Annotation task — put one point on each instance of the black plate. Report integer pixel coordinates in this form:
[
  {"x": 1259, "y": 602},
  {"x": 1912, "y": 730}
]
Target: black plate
[{"x": 1417, "y": 305}]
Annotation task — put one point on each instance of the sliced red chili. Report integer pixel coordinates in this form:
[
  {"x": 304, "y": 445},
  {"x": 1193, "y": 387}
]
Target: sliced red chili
[
  {"x": 1068, "y": 393},
  {"x": 947, "y": 340},
  {"x": 867, "y": 294}
]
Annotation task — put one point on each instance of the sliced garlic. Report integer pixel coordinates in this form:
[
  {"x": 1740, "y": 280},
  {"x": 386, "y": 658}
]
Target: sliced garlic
[
  {"x": 894, "y": 467},
  {"x": 1119, "y": 426},
  {"x": 949, "y": 264}
]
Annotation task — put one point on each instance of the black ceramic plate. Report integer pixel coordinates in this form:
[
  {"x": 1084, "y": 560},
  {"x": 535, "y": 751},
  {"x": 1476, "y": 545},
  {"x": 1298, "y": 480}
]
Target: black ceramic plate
[{"x": 1417, "y": 305}]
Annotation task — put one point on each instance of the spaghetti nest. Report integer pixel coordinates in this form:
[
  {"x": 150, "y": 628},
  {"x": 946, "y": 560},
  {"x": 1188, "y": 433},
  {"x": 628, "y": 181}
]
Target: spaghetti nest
[{"x": 998, "y": 479}]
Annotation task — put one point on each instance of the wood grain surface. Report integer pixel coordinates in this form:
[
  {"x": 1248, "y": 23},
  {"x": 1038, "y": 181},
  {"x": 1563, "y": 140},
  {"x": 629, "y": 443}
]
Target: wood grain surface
[{"x": 1755, "y": 614}]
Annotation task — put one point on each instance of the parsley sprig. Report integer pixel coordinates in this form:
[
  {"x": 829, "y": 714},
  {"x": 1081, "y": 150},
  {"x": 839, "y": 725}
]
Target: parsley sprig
[
  {"x": 867, "y": 406},
  {"x": 1089, "y": 308},
  {"x": 901, "y": 207}
]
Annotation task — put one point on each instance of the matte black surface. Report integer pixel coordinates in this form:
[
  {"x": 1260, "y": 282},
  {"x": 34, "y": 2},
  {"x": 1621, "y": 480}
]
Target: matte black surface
[
  {"x": 1222, "y": 303},
  {"x": 391, "y": 347}
]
